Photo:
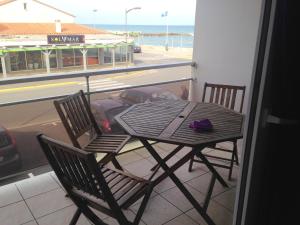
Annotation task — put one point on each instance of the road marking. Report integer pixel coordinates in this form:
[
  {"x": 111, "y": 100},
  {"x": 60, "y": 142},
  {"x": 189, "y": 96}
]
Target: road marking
[
  {"x": 37, "y": 86},
  {"x": 108, "y": 88},
  {"x": 135, "y": 73},
  {"x": 93, "y": 83},
  {"x": 101, "y": 81},
  {"x": 105, "y": 84}
]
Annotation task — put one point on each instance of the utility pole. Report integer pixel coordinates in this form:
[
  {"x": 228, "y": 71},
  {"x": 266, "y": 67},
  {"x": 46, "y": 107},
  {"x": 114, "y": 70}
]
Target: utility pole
[{"x": 126, "y": 31}]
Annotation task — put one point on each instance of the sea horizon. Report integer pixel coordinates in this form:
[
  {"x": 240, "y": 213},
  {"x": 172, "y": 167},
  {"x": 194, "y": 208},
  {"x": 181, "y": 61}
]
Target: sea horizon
[{"x": 178, "y": 35}]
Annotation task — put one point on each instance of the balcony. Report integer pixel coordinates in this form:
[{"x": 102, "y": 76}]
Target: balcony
[
  {"x": 28, "y": 196},
  {"x": 41, "y": 199},
  {"x": 217, "y": 57}
]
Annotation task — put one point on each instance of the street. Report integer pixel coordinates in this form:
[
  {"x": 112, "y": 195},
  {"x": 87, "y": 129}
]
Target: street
[{"x": 25, "y": 121}]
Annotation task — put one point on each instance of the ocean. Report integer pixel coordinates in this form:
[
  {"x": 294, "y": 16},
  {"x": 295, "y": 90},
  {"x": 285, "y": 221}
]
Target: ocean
[{"x": 179, "y": 36}]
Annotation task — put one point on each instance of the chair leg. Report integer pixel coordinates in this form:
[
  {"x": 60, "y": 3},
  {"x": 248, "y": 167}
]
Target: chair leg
[
  {"x": 191, "y": 163},
  {"x": 231, "y": 163},
  {"x": 92, "y": 216},
  {"x": 209, "y": 191},
  {"x": 85, "y": 210},
  {"x": 116, "y": 163},
  {"x": 75, "y": 217},
  {"x": 235, "y": 152},
  {"x": 170, "y": 155},
  {"x": 142, "y": 207}
]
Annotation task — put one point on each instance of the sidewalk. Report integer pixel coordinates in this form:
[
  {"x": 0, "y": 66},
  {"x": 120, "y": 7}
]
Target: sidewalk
[{"x": 175, "y": 52}]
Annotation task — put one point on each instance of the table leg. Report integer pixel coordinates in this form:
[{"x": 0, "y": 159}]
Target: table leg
[
  {"x": 170, "y": 155},
  {"x": 211, "y": 168},
  {"x": 177, "y": 182}
]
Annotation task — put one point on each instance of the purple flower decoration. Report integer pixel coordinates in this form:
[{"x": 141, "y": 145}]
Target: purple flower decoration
[{"x": 201, "y": 125}]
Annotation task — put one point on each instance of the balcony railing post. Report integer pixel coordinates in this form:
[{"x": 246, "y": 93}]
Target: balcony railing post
[
  {"x": 87, "y": 78},
  {"x": 3, "y": 65}
]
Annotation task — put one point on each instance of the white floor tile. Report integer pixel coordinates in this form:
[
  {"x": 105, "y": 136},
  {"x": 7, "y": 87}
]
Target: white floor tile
[
  {"x": 30, "y": 223},
  {"x": 176, "y": 197},
  {"x": 158, "y": 211},
  {"x": 227, "y": 199},
  {"x": 139, "y": 168},
  {"x": 218, "y": 213},
  {"x": 181, "y": 220},
  {"x": 62, "y": 217},
  {"x": 9, "y": 194},
  {"x": 47, "y": 203},
  {"x": 37, "y": 185},
  {"x": 129, "y": 215},
  {"x": 15, "y": 214},
  {"x": 201, "y": 184}
]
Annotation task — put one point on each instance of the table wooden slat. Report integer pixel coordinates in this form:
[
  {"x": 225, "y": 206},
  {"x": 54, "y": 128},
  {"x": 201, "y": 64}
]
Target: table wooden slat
[{"x": 169, "y": 121}]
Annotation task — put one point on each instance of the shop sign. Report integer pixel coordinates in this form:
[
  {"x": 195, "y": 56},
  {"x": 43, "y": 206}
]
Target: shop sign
[{"x": 65, "y": 39}]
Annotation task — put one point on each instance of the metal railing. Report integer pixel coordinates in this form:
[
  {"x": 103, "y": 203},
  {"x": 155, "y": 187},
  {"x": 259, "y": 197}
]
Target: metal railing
[{"x": 87, "y": 75}]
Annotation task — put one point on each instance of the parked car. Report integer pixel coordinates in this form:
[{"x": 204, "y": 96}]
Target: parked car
[
  {"x": 9, "y": 155},
  {"x": 146, "y": 94},
  {"x": 105, "y": 110},
  {"x": 137, "y": 49}
]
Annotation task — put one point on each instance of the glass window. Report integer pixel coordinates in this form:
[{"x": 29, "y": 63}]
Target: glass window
[
  {"x": 123, "y": 53},
  {"x": 78, "y": 57},
  {"x": 34, "y": 60},
  {"x": 53, "y": 59},
  {"x": 118, "y": 57},
  {"x": 17, "y": 61},
  {"x": 120, "y": 54},
  {"x": 107, "y": 55},
  {"x": 92, "y": 56},
  {"x": 68, "y": 57}
]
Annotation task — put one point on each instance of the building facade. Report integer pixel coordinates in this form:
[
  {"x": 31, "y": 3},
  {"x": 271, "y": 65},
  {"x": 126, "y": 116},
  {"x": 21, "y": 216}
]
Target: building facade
[
  {"x": 53, "y": 42},
  {"x": 31, "y": 11}
]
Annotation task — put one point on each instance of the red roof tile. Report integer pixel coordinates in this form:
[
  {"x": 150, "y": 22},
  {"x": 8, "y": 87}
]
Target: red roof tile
[{"x": 46, "y": 28}]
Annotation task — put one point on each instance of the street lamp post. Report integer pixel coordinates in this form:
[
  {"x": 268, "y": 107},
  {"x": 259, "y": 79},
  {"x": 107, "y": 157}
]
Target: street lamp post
[
  {"x": 165, "y": 14},
  {"x": 94, "y": 10},
  {"x": 126, "y": 30}
]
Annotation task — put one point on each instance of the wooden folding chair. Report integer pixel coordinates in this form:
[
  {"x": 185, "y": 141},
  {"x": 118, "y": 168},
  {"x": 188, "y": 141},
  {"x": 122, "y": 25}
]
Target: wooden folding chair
[
  {"x": 90, "y": 184},
  {"x": 231, "y": 97},
  {"x": 77, "y": 118}
]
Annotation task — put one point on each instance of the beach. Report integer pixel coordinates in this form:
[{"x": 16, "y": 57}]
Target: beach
[{"x": 180, "y": 53}]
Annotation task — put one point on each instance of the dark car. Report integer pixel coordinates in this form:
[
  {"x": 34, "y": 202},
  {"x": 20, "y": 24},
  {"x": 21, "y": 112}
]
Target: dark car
[
  {"x": 9, "y": 155},
  {"x": 146, "y": 94},
  {"x": 137, "y": 49},
  {"x": 105, "y": 110}
]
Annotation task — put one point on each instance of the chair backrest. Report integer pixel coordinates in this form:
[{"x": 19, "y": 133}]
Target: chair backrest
[
  {"x": 76, "y": 169},
  {"x": 225, "y": 95},
  {"x": 76, "y": 116}
]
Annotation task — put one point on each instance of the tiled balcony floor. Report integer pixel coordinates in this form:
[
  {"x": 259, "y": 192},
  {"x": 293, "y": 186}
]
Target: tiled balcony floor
[{"x": 41, "y": 200}]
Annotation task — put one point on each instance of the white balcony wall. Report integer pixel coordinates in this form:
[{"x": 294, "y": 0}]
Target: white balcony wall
[
  {"x": 31, "y": 12},
  {"x": 224, "y": 43}
]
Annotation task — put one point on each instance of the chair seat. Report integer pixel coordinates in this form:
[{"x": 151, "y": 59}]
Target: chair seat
[
  {"x": 124, "y": 187},
  {"x": 107, "y": 143},
  {"x": 92, "y": 185}
]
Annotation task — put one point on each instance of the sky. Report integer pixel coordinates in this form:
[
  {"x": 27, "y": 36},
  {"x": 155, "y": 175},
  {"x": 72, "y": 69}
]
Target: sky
[{"x": 180, "y": 12}]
